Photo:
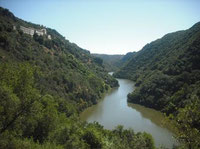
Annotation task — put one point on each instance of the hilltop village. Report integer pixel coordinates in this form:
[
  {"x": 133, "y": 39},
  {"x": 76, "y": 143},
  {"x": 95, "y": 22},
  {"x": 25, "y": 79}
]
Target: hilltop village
[{"x": 32, "y": 31}]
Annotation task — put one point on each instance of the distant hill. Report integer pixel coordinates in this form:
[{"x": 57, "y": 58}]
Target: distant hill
[
  {"x": 114, "y": 62},
  {"x": 110, "y": 62},
  {"x": 126, "y": 58}
]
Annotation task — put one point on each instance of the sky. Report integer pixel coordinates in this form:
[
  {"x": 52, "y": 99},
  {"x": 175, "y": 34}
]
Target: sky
[{"x": 109, "y": 26}]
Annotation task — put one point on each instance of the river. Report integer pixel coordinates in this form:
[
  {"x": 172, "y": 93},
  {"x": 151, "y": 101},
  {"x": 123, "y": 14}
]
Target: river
[{"x": 114, "y": 110}]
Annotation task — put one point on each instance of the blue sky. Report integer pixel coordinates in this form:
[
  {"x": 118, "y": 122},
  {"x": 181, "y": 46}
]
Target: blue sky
[{"x": 109, "y": 26}]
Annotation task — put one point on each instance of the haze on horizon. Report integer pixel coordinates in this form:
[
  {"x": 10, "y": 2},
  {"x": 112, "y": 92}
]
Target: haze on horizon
[{"x": 109, "y": 27}]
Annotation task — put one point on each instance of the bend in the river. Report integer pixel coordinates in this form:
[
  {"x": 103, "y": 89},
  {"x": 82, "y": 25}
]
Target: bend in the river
[{"x": 114, "y": 110}]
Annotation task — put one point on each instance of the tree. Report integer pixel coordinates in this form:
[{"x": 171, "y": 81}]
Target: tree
[
  {"x": 187, "y": 125},
  {"x": 17, "y": 94}
]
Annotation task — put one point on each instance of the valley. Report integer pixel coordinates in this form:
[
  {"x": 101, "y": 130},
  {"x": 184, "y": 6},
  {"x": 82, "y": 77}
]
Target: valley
[{"x": 56, "y": 95}]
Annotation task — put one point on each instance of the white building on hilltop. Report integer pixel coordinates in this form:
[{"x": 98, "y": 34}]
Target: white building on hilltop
[
  {"x": 29, "y": 31},
  {"x": 41, "y": 32}
]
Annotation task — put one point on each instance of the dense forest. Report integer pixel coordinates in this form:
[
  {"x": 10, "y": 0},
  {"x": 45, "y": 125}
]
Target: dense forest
[
  {"x": 44, "y": 85},
  {"x": 167, "y": 76}
]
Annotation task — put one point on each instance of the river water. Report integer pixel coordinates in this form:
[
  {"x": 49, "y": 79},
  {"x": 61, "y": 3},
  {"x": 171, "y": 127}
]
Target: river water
[{"x": 114, "y": 110}]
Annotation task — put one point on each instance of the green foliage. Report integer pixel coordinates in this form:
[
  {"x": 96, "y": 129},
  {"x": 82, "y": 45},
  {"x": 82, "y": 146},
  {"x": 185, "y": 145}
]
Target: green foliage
[
  {"x": 31, "y": 120},
  {"x": 98, "y": 60},
  {"x": 16, "y": 93},
  {"x": 133, "y": 140},
  {"x": 40, "y": 39},
  {"x": 186, "y": 124},
  {"x": 14, "y": 143}
]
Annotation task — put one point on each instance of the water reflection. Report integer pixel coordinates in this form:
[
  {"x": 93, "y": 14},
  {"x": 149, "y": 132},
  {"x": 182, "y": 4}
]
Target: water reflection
[{"x": 151, "y": 114}]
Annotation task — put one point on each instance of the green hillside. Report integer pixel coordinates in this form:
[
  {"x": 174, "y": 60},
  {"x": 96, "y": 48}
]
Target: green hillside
[
  {"x": 44, "y": 84},
  {"x": 167, "y": 76},
  {"x": 67, "y": 70}
]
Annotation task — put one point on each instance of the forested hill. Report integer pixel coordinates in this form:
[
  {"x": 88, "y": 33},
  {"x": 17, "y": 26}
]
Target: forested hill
[
  {"x": 167, "y": 75},
  {"x": 45, "y": 81},
  {"x": 164, "y": 66},
  {"x": 67, "y": 70}
]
